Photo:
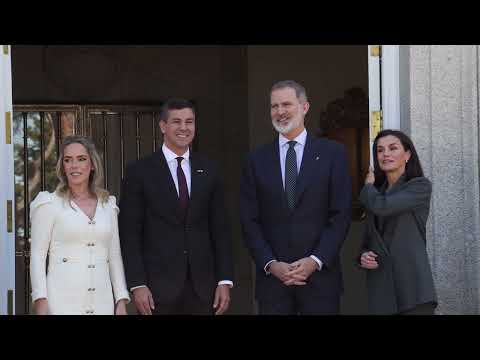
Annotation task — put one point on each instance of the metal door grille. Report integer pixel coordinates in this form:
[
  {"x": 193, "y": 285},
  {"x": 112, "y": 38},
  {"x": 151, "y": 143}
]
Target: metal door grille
[{"x": 121, "y": 134}]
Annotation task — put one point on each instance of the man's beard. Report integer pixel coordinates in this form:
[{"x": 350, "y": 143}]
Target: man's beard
[{"x": 292, "y": 124}]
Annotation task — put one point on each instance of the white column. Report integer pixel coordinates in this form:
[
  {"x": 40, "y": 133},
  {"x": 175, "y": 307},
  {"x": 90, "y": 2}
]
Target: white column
[
  {"x": 374, "y": 91},
  {"x": 7, "y": 193},
  {"x": 390, "y": 87}
]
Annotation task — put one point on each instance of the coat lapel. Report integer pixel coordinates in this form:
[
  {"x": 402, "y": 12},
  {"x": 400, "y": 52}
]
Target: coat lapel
[
  {"x": 397, "y": 186},
  {"x": 371, "y": 219},
  {"x": 376, "y": 235}
]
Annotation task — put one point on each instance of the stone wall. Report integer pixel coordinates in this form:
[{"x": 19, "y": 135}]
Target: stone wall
[{"x": 443, "y": 123}]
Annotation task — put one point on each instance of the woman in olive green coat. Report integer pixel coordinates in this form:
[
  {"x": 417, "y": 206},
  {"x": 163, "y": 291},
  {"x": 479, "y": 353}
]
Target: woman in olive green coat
[{"x": 396, "y": 197}]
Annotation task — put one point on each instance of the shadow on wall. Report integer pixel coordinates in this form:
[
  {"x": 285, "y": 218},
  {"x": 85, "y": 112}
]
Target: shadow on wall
[
  {"x": 351, "y": 111},
  {"x": 346, "y": 120}
]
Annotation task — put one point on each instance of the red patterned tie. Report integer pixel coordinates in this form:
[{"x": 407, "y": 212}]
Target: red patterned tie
[{"x": 182, "y": 188}]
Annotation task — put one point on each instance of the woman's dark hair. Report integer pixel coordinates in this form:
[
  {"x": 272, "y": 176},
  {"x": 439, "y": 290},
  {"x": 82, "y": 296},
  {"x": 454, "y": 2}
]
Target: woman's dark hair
[{"x": 413, "y": 168}]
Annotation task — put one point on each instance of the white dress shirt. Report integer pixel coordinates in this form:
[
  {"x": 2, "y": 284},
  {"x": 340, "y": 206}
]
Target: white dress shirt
[
  {"x": 299, "y": 147},
  {"x": 172, "y": 163}
]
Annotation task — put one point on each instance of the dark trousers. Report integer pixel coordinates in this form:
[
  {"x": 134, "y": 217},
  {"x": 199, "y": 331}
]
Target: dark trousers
[
  {"x": 299, "y": 300},
  {"x": 422, "y": 309},
  {"x": 188, "y": 303}
]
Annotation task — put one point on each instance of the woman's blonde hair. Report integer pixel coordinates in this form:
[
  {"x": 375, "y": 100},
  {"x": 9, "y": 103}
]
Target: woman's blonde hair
[{"x": 95, "y": 181}]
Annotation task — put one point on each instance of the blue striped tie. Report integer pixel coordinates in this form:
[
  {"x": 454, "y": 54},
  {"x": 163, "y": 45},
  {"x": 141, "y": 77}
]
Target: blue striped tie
[{"x": 291, "y": 174}]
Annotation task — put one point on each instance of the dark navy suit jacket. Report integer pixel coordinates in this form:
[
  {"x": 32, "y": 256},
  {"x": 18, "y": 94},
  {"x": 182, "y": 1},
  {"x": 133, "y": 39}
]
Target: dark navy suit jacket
[{"x": 317, "y": 225}]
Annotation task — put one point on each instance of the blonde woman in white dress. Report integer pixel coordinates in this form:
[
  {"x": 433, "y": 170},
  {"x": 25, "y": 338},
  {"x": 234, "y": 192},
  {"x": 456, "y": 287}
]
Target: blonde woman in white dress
[{"x": 76, "y": 226}]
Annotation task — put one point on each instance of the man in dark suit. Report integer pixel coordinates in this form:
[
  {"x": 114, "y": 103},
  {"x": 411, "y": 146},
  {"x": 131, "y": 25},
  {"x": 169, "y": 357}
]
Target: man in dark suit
[
  {"x": 173, "y": 230},
  {"x": 296, "y": 211}
]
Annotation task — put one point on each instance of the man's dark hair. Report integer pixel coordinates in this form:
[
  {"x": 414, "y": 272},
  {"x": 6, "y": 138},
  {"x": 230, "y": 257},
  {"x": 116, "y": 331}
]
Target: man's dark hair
[
  {"x": 175, "y": 104},
  {"x": 413, "y": 168}
]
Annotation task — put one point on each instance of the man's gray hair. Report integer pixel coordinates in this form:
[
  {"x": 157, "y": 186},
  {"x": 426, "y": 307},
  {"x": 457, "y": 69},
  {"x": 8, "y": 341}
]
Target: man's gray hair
[{"x": 299, "y": 89}]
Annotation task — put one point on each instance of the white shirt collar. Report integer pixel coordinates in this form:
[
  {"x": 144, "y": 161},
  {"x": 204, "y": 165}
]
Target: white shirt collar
[
  {"x": 170, "y": 155},
  {"x": 301, "y": 138}
]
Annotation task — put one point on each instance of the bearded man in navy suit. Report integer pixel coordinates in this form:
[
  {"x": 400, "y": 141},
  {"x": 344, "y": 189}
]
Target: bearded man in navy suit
[{"x": 295, "y": 203}]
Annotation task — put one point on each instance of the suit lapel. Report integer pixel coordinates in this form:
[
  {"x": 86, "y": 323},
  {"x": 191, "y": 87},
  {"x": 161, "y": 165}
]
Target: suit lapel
[
  {"x": 308, "y": 163},
  {"x": 194, "y": 179},
  {"x": 272, "y": 165},
  {"x": 197, "y": 176},
  {"x": 163, "y": 178}
]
